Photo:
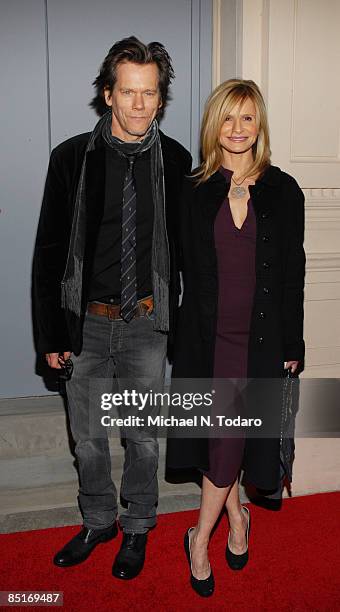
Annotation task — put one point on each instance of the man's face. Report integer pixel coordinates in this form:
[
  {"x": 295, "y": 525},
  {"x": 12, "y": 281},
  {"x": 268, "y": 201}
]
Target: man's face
[{"x": 135, "y": 100}]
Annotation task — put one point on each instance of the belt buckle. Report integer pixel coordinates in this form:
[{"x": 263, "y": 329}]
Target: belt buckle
[{"x": 111, "y": 311}]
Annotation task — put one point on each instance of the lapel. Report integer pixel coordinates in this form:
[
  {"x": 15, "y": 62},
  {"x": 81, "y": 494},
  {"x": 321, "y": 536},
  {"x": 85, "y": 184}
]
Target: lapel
[
  {"x": 94, "y": 199},
  {"x": 210, "y": 197},
  {"x": 264, "y": 193},
  {"x": 95, "y": 187},
  {"x": 171, "y": 171}
]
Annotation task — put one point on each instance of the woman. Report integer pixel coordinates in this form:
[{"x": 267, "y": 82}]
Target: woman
[{"x": 242, "y": 230}]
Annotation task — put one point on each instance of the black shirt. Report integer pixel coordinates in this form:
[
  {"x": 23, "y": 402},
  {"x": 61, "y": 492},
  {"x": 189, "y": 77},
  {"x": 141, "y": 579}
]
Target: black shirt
[{"x": 105, "y": 282}]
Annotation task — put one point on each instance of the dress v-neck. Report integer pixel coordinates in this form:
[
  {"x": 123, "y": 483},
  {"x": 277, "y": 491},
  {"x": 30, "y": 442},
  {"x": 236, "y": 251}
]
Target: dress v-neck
[
  {"x": 228, "y": 174},
  {"x": 239, "y": 229}
]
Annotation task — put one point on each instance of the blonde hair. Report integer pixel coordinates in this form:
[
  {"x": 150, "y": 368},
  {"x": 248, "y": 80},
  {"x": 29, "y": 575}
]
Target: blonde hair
[{"x": 218, "y": 106}]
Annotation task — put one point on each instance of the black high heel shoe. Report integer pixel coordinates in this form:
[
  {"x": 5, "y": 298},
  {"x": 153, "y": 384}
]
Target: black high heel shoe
[
  {"x": 237, "y": 562},
  {"x": 204, "y": 588}
]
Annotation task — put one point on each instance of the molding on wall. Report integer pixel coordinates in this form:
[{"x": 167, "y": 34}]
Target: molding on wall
[
  {"x": 323, "y": 261},
  {"x": 239, "y": 35},
  {"x": 201, "y": 40},
  {"x": 294, "y": 120},
  {"x": 253, "y": 26},
  {"x": 216, "y": 50},
  {"x": 323, "y": 195},
  {"x": 226, "y": 40},
  {"x": 322, "y": 210},
  {"x": 195, "y": 75},
  {"x": 323, "y": 356}
]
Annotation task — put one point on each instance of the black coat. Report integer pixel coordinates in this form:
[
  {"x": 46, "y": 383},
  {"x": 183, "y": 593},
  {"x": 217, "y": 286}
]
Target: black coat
[
  {"x": 276, "y": 331},
  {"x": 59, "y": 330}
]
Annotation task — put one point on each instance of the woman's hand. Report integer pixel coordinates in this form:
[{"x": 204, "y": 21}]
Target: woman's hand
[{"x": 292, "y": 365}]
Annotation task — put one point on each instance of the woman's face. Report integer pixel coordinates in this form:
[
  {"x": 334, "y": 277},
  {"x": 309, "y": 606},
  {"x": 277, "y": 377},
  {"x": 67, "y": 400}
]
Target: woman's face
[{"x": 239, "y": 130}]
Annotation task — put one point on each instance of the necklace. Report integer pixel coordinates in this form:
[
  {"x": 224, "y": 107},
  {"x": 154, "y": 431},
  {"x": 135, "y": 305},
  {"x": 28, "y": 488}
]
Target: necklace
[{"x": 238, "y": 191}]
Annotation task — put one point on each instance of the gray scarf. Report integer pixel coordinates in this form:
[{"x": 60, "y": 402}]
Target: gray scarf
[{"x": 71, "y": 286}]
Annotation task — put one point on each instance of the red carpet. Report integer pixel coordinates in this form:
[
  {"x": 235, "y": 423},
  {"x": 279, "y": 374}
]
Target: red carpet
[{"x": 294, "y": 565}]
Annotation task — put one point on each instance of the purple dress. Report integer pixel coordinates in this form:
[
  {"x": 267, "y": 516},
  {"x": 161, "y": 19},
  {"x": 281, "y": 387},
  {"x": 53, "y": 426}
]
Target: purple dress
[{"x": 235, "y": 249}]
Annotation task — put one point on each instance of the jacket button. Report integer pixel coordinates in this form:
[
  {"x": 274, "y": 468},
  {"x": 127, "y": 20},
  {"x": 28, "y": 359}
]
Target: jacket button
[
  {"x": 265, "y": 290},
  {"x": 265, "y": 238},
  {"x": 262, "y": 315},
  {"x": 264, "y": 214},
  {"x": 260, "y": 340},
  {"x": 266, "y": 265}
]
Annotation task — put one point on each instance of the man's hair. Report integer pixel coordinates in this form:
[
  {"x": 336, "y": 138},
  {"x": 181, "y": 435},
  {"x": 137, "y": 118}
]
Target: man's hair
[{"x": 132, "y": 50}]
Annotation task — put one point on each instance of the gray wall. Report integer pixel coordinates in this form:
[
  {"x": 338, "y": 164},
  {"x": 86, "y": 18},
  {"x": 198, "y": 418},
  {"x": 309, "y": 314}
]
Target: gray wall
[
  {"x": 231, "y": 23},
  {"x": 50, "y": 51}
]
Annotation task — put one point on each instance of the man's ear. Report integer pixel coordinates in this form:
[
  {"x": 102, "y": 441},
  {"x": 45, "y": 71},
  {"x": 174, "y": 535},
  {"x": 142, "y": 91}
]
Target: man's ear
[{"x": 108, "y": 96}]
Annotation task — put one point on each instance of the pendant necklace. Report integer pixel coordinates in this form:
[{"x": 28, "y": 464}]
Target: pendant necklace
[{"x": 238, "y": 191}]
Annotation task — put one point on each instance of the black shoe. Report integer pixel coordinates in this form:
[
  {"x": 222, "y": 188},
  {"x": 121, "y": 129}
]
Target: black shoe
[
  {"x": 130, "y": 560},
  {"x": 237, "y": 562},
  {"x": 204, "y": 588},
  {"x": 80, "y": 547}
]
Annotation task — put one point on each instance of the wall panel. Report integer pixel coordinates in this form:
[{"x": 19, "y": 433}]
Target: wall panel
[
  {"x": 23, "y": 161},
  {"x": 50, "y": 52}
]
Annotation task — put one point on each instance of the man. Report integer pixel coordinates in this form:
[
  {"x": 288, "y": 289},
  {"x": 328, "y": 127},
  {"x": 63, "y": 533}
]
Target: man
[{"x": 106, "y": 284}]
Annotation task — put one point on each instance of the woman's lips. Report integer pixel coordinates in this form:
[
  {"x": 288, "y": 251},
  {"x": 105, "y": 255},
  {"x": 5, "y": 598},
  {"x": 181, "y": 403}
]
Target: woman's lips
[{"x": 238, "y": 138}]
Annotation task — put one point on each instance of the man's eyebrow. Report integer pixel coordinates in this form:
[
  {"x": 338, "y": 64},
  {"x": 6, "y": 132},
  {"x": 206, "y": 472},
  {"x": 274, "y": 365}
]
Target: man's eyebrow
[{"x": 131, "y": 89}]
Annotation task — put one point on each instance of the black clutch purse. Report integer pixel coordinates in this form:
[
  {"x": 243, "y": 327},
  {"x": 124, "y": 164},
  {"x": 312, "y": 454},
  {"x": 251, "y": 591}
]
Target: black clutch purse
[{"x": 289, "y": 408}]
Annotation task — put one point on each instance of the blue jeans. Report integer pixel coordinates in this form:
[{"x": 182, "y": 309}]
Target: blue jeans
[{"x": 123, "y": 350}]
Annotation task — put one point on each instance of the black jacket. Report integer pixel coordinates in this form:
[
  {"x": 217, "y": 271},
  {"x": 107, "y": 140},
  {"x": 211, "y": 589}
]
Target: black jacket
[
  {"x": 59, "y": 330},
  {"x": 276, "y": 331}
]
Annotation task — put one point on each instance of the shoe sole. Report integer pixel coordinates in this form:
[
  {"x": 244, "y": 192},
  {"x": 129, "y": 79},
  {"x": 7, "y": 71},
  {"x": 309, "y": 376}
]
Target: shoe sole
[{"x": 127, "y": 577}]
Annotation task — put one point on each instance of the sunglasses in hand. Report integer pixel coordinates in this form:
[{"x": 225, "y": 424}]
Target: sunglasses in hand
[{"x": 66, "y": 370}]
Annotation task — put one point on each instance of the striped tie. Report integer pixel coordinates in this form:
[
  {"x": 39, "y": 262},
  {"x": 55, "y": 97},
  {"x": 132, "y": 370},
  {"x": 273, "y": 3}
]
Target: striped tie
[{"x": 128, "y": 256}]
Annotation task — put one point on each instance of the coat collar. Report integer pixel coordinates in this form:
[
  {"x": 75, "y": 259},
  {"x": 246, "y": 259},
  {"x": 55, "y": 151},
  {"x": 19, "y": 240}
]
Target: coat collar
[{"x": 167, "y": 151}]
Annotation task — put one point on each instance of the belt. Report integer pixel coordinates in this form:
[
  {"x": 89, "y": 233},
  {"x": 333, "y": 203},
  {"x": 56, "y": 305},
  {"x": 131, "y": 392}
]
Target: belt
[{"x": 112, "y": 311}]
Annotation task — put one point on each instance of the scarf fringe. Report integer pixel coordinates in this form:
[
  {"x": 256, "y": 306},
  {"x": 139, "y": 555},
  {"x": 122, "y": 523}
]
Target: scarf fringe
[
  {"x": 71, "y": 289},
  {"x": 161, "y": 290}
]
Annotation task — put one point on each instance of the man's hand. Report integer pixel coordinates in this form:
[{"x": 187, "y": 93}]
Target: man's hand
[
  {"x": 56, "y": 360},
  {"x": 291, "y": 364}
]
